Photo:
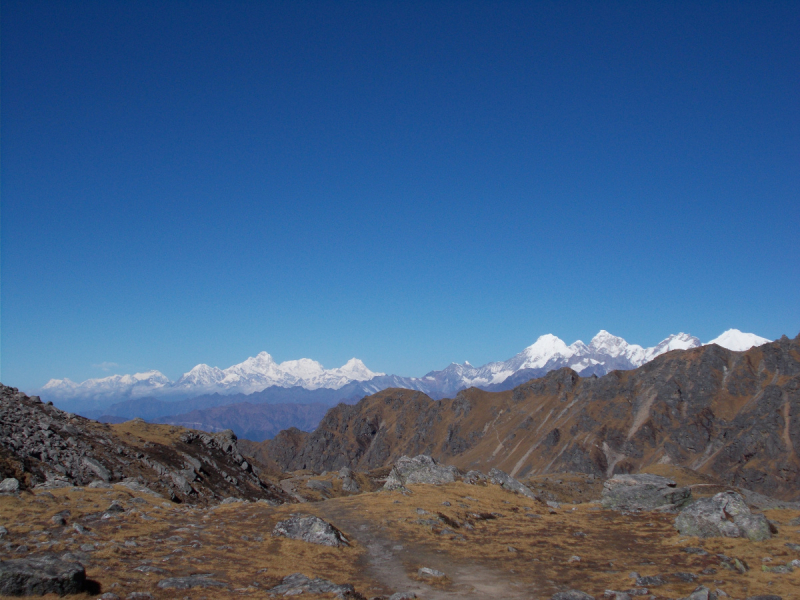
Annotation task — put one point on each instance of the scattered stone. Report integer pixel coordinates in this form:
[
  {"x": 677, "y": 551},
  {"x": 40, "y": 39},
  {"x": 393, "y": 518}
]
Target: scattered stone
[
  {"x": 692, "y": 550},
  {"x": 109, "y": 596},
  {"x": 58, "y": 520},
  {"x": 99, "y": 483},
  {"x": 350, "y": 485},
  {"x": 309, "y": 528},
  {"x": 505, "y": 481},
  {"x": 231, "y": 500},
  {"x": 428, "y": 572},
  {"x": 724, "y": 515},
  {"x": 420, "y": 469},
  {"x": 574, "y": 559},
  {"x": 512, "y": 549},
  {"x": 780, "y": 569},
  {"x": 139, "y": 596},
  {"x": 650, "y": 581},
  {"x": 701, "y": 593},
  {"x": 614, "y": 595},
  {"x": 474, "y": 478},
  {"x": 297, "y": 583},
  {"x": 42, "y": 575},
  {"x": 571, "y": 595},
  {"x": 184, "y": 583},
  {"x": 791, "y": 546},
  {"x": 149, "y": 569},
  {"x": 403, "y": 596},
  {"x": 320, "y": 485},
  {"x": 9, "y": 486},
  {"x": 764, "y": 597},
  {"x": 643, "y": 492}
]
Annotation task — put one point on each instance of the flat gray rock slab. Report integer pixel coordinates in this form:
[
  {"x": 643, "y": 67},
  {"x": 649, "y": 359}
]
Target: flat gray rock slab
[
  {"x": 41, "y": 575},
  {"x": 643, "y": 491},
  {"x": 192, "y": 581},
  {"x": 297, "y": 583},
  {"x": 311, "y": 529},
  {"x": 420, "y": 469},
  {"x": 723, "y": 515}
]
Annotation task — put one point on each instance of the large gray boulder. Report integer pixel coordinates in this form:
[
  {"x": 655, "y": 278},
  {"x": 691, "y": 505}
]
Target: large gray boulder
[
  {"x": 420, "y": 469},
  {"x": 297, "y": 583},
  {"x": 643, "y": 492},
  {"x": 309, "y": 528},
  {"x": 507, "y": 482},
  {"x": 724, "y": 515},
  {"x": 42, "y": 575}
]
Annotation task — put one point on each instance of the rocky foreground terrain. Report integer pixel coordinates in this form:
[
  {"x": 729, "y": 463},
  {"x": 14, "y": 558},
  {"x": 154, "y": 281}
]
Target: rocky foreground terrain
[{"x": 677, "y": 480}]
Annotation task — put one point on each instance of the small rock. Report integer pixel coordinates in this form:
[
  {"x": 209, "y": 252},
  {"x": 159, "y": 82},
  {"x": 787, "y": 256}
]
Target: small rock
[
  {"x": 3, "y": 532},
  {"x": 650, "y": 581},
  {"x": 309, "y": 528},
  {"x": 571, "y": 595},
  {"x": 184, "y": 583},
  {"x": 701, "y": 593},
  {"x": 428, "y": 572},
  {"x": 445, "y": 503},
  {"x": 58, "y": 520},
  {"x": 9, "y": 486},
  {"x": 139, "y": 596},
  {"x": 109, "y": 596},
  {"x": 99, "y": 483},
  {"x": 574, "y": 559},
  {"x": 512, "y": 549},
  {"x": 403, "y": 596},
  {"x": 320, "y": 485},
  {"x": 764, "y": 597}
]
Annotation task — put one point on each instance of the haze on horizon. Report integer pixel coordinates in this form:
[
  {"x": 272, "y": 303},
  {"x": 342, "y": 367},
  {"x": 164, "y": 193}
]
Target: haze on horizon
[{"x": 406, "y": 183}]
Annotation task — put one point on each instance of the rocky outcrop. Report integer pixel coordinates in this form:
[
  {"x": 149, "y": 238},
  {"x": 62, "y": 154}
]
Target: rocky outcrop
[
  {"x": 724, "y": 515},
  {"x": 732, "y": 415},
  {"x": 41, "y": 575},
  {"x": 505, "y": 481},
  {"x": 44, "y": 447},
  {"x": 420, "y": 469},
  {"x": 311, "y": 529},
  {"x": 643, "y": 492}
]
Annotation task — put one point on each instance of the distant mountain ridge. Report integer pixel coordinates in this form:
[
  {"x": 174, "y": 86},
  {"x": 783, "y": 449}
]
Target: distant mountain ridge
[{"x": 263, "y": 376}]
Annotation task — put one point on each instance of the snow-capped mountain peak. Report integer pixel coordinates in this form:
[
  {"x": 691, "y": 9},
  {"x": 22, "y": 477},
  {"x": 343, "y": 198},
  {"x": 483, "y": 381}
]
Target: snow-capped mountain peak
[
  {"x": 738, "y": 341},
  {"x": 543, "y": 350}
]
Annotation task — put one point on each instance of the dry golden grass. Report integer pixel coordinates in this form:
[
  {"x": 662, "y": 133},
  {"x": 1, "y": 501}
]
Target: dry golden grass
[{"x": 234, "y": 542}]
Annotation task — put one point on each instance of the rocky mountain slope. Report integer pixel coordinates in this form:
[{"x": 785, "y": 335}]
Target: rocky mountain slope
[
  {"x": 45, "y": 448},
  {"x": 733, "y": 415}
]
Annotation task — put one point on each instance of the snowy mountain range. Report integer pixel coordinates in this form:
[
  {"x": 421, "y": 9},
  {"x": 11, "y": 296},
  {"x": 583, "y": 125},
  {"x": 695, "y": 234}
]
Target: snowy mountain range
[{"x": 604, "y": 353}]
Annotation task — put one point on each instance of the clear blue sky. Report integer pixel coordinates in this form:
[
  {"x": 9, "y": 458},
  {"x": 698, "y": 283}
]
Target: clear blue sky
[{"x": 408, "y": 183}]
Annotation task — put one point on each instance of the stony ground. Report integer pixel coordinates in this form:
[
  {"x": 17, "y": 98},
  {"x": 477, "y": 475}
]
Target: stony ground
[{"x": 488, "y": 543}]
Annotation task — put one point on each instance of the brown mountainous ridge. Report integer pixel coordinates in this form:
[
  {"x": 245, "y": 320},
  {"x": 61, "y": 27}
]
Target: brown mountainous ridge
[{"x": 732, "y": 415}]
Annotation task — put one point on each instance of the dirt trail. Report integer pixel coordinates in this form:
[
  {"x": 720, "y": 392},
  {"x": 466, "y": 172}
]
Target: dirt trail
[{"x": 388, "y": 562}]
